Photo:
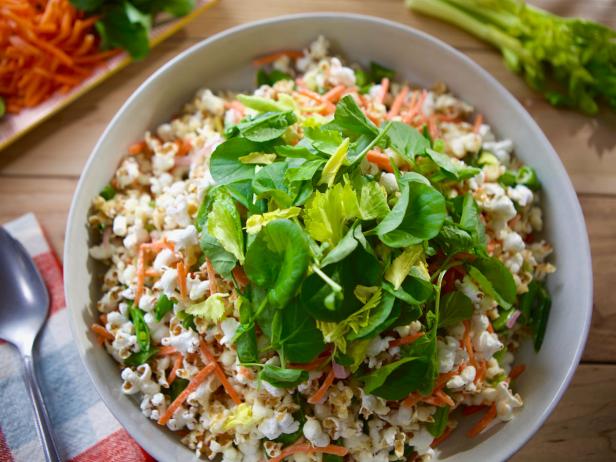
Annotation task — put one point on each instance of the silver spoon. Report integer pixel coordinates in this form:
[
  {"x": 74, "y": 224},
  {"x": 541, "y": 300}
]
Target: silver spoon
[{"x": 23, "y": 309}]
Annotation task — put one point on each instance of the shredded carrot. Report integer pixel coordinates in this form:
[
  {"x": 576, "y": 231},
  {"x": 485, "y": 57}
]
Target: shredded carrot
[
  {"x": 433, "y": 127},
  {"x": 445, "y": 398},
  {"x": 406, "y": 339},
  {"x": 166, "y": 351},
  {"x": 398, "y": 102},
  {"x": 441, "y": 438},
  {"x": 481, "y": 371},
  {"x": 328, "y": 106},
  {"x": 240, "y": 276},
  {"x": 184, "y": 147},
  {"x": 415, "y": 107},
  {"x": 140, "y": 274},
  {"x": 101, "y": 333},
  {"x": 137, "y": 148},
  {"x": 483, "y": 423},
  {"x": 320, "y": 393},
  {"x": 516, "y": 371},
  {"x": 383, "y": 91},
  {"x": 182, "y": 273},
  {"x": 306, "y": 448},
  {"x": 380, "y": 159},
  {"x": 468, "y": 344},
  {"x": 272, "y": 57},
  {"x": 478, "y": 122},
  {"x": 470, "y": 410},
  {"x": 411, "y": 400},
  {"x": 103, "y": 318},
  {"x": 219, "y": 372},
  {"x": 49, "y": 40},
  {"x": 211, "y": 276},
  {"x": 192, "y": 386},
  {"x": 335, "y": 93},
  {"x": 490, "y": 328},
  {"x": 177, "y": 364}
]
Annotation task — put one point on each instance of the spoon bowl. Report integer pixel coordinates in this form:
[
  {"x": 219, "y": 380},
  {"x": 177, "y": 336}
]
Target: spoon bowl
[{"x": 24, "y": 307}]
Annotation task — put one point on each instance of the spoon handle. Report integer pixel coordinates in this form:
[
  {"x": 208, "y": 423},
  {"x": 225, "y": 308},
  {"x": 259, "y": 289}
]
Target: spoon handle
[{"x": 43, "y": 423}]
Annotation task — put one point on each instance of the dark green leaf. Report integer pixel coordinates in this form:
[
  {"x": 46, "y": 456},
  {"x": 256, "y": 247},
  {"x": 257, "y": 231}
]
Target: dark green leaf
[
  {"x": 178, "y": 7},
  {"x": 282, "y": 378},
  {"x": 326, "y": 141},
  {"x": 300, "y": 340},
  {"x": 108, "y": 192},
  {"x": 343, "y": 249},
  {"x": 406, "y": 140},
  {"x": 441, "y": 417},
  {"x": 278, "y": 259},
  {"x": 136, "y": 359},
  {"x": 141, "y": 328},
  {"x": 225, "y": 165},
  {"x": 126, "y": 27},
  {"x": 378, "y": 321},
  {"x": 87, "y": 5},
  {"x": 264, "y": 127},
  {"x": 163, "y": 306},
  {"x": 501, "y": 285},
  {"x": 222, "y": 261},
  {"x": 305, "y": 172},
  {"x": 351, "y": 121},
  {"x": 455, "y": 308},
  {"x": 177, "y": 387},
  {"x": 456, "y": 169},
  {"x": 378, "y": 72}
]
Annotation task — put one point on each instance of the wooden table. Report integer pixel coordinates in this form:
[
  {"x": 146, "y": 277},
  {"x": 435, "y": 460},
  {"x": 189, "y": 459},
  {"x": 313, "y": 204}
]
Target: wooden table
[{"x": 39, "y": 174}]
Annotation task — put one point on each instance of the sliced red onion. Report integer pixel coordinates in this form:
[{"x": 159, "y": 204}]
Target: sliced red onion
[
  {"x": 513, "y": 319},
  {"x": 339, "y": 371}
]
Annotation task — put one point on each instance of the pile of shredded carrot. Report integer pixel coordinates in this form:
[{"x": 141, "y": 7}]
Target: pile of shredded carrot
[{"x": 47, "y": 46}]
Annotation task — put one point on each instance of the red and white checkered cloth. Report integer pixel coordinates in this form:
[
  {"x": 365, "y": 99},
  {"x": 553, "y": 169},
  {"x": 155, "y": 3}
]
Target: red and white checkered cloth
[{"x": 85, "y": 430}]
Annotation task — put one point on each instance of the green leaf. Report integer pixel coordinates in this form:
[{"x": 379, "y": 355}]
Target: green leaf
[
  {"x": 499, "y": 278},
  {"x": 305, "y": 172},
  {"x": 225, "y": 165},
  {"x": 332, "y": 166},
  {"x": 418, "y": 215},
  {"x": 141, "y": 328},
  {"x": 296, "y": 152},
  {"x": 246, "y": 335},
  {"x": 378, "y": 72},
  {"x": 379, "y": 319},
  {"x": 453, "y": 167},
  {"x": 178, "y": 8},
  {"x": 222, "y": 261},
  {"x": 470, "y": 220},
  {"x": 282, "y": 378},
  {"x": 407, "y": 141},
  {"x": 264, "y": 127},
  {"x": 225, "y": 225},
  {"x": 212, "y": 309},
  {"x": 269, "y": 182},
  {"x": 402, "y": 264},
  {"x": 261, "y": 158},
  {"x": 163, "y": 306},
  {"x": 136, "y": 359},
  {"x": 264, "y": 78},
  {"x": 300, "y": 340},
  {"x": 2, "y": 107},
  {"x": 87, "y": 5},
  {"x": 377, "y": 378},
  {"x": 278, "y": 259},
  {"x": 326, "y": 214},
  {"x": 351, "y": 121},
  {"x": 177, "y": 387},
  {"x": 327, "y": 141},
  {"x": 126, "y": 27},
  {"x": 441, "y": 417},
  {"x": 254, "y": 223},
  {"x": 344, "y": 248},
  {"x": 261, "y": 104},
  {"x": 108, "y": 192},
  {"x": 455, "y": 308},
  {"x": 373, "y": 201}
]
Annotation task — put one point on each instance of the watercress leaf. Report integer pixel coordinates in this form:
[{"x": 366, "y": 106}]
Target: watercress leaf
[
  {"x": 441, "y": 417},
  {"x": 282, "y": 378},
  {"x": 304, "y": 172},
  {"x": 344, "y": 248},
  {"x": 377, "y": 378},
  {"x": 269, "y": 182},
  {"x": 499, "y": 277},
  {"x": 225, "y": 225},
  {"x": 351, "y": 121},
  {"x": 378, "y": 72},
  {"x": 455, "y": 168},
  {"x": 470, "y": 220},
  {"x": 142, "y": 330},
  {"x": 401, "y": 266},
  {"x": 373, "y": 201},
  {"x": 261, "y": 104},
  {"x": 222, "y": 261},
  {"x": 87, "y": 5},
  {"x": 211, "y": 309},
  {"x": 300, "y": 340},
  {"x": 453, "y": 239},
  {"x": 163, "y": 306},
  {"x": 326, "y": 214},
  {"x": 540, "y": 316},
  {"x": 136, "y": 359},
  {"x": 455, "y": 308},
  {"x": 177, "y": 7},
  {"x": 296, "y": 152},
  {"x": 265, "y": 127},
  {"x": 225, "y": 165},
  {"x": 125, "y": 26},
  {"x": 278, "y": 259},
  {"x": 334, "y": 163},
  {"x": 406, "y": 140},
  {"x": 418, "y": 215},
  {"x": 107, "y": 193},
  {"x": 326, "y": 141},
  {"x": 377, "y": 322},
  {"x": 254, "y": 223}
]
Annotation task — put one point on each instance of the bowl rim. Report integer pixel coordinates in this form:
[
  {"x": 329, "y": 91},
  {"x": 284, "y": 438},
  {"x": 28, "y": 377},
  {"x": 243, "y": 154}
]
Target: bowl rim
[{"x": 586, "y": 265}]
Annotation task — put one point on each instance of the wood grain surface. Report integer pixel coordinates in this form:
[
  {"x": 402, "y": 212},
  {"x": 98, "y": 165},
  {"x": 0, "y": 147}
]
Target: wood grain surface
[{"x": 39, "y": 174}]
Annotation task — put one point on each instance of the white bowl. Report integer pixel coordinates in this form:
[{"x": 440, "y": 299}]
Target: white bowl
[{"x": 223, "y": 62}]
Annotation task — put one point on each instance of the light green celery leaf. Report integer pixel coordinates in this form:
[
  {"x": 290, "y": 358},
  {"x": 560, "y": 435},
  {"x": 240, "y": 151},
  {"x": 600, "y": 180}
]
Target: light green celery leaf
[
  {"x": 254, "y": 223},
  {"x": 402, "y": 264},
  {"x": 363, "y": 293},
  {"x": 373, "y": 201},
  {"x": 261, "y": 104},
  {"x": 325, "y": 214},
  {"x": 335, "y": 332},
  {"x": 224, "y": 224},
  {"x": 257, "y": 158},
  {"x": 240, "y": 415},
  {"x": 334, "y": 163},
  {"x": 357, "y": 351},
  {"x": 213, "y": 309}
]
